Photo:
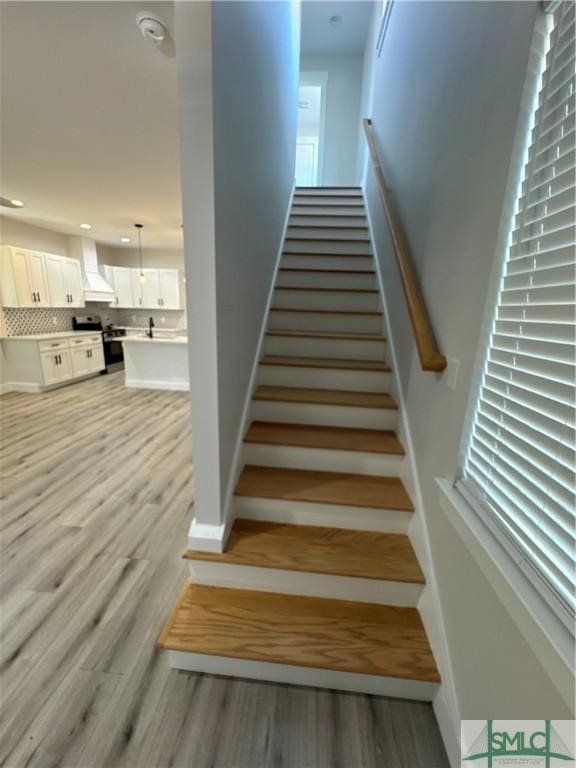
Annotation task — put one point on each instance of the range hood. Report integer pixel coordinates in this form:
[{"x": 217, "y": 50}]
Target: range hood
[{"x": 94, "y": 286}]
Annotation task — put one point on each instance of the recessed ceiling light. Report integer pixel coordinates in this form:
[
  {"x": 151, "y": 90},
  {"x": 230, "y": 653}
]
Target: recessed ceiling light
[
  {"x": 85, "y": 226},
  {"x": 124, "y": 239},
  {"x": 10, "y": 203}
]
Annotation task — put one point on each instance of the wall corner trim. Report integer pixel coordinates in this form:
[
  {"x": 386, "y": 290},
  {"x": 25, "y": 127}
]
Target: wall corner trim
[{"x": 237, "y": 459}]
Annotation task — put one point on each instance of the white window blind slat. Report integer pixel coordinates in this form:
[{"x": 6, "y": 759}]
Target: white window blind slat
[
  {"x": 540, "y": 386},
  {"x": 532, "y": 277},
  {"x": 520, "y": 457},
  {"x": 524, "y": 519},
  {"x": 510, "y": 468},
  {"x": 542, "y": 461}
]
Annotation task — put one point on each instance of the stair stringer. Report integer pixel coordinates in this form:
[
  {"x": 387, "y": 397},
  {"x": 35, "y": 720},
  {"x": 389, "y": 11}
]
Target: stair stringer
[
  {"x": 213, "y": 538},
  {"x": 445, "y": 702}
]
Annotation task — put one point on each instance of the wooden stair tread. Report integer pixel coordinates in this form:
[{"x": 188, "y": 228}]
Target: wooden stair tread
[
  {"x": 330, "y": 290},
  {"x": 314, "y": 486},
  {"x": 328, "y": 311},
  {"x": 329, "y": 271},
  {"x": 329, "y": 335},
  {"x": 323, "y": 362},
  {"x": 325, "y": 397},
  {"x": 327, "y": 226},
  {"x": 329, "y": 255},
  {"x": 333, "y": 438},
  {"x": 303, "y": 631},
  {"x": 330, "y": 240},
  {"x": 315, "y": 549}
]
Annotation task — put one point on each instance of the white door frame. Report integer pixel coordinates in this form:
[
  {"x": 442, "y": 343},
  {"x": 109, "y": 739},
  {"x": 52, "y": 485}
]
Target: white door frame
[{"x": 320, "y": 78}]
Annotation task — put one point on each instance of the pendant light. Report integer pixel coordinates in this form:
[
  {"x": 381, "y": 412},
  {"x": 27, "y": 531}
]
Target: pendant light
[{"x": 141, "y": 275}]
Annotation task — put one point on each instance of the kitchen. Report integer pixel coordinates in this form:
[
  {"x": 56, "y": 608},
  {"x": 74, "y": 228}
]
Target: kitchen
[{"x": 72, "y": 308}]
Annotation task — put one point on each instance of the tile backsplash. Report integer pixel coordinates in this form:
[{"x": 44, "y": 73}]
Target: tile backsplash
[
  {"x": 165, "y": 318},
  {"x": 20, "y": 322}
]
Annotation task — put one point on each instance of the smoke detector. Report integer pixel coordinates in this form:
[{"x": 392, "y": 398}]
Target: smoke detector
[
  {"x": 335, "y": 21},
  {"x": 152, "y": 27}
]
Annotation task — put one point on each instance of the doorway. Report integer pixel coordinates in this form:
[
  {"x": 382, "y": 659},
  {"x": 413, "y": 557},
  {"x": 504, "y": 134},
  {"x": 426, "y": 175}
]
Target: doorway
[{"x": 310, "y": 134}]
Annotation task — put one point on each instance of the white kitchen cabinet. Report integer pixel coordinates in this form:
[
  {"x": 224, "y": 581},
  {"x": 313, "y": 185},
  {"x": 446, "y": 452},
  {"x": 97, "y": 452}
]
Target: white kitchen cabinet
[
  {"x": 23, "y": 278},
  {"x": 72, "y": 278},
  {"x": 123, "y": 287},
  {"x": 38, "y": 362},
  {"x": 169, "y": 289},
  {"x": 64, "y": 277},
  {"x": 136, "y": 288},
  {"x": 151, "y": 289},
  {"x": 160, "y": 289},
  {"x": 87, "y": 359},
  {"x": 56, "y": 366},
  {"x": 34, "y": 279}
]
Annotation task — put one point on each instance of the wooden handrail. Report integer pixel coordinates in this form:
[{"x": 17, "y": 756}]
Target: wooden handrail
[{"x": 428, "y": 352}]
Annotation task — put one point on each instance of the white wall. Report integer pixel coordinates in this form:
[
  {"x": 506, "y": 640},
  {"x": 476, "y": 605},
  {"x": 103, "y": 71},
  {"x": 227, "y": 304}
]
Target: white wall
[
  {"x": 238, "y": 79},
  {"x": 342, "y": 113},
  {"x": 447, "y": 93},
  {"x": 367, "y": 92},
  {"x": 15, "y": 232}
]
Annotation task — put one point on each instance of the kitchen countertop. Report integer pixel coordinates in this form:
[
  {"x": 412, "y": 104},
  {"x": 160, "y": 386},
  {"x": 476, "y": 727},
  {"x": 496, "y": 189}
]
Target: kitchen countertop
[
  {"x": 47, "y": 336},
  {"x": 155, "y": 340}
]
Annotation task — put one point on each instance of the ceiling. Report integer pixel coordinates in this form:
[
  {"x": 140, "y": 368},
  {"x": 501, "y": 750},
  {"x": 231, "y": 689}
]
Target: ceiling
[
  {"x": 349, "y": 36},
  {"x": 89, "y": 120}
]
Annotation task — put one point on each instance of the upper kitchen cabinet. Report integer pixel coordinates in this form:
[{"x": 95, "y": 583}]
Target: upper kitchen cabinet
[
  {"x": 121, "y": 280},
  {"x": 170, "y": 288},
  {"x": 64, "y": 276},
  {"x": 160, "y": 288},
  {"x": 23, "y": 278}
]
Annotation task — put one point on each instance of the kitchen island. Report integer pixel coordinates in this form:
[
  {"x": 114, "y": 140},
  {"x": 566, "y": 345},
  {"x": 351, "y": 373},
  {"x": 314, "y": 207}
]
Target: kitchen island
[{"x": 156, "y": 363}]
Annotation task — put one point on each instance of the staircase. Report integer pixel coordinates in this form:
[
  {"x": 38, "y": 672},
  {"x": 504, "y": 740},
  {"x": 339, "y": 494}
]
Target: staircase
[{"x": 318, "y": 584}]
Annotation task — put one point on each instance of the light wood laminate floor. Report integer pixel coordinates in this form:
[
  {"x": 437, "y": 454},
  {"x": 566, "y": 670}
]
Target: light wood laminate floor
[{"x": 96, "y": 497}]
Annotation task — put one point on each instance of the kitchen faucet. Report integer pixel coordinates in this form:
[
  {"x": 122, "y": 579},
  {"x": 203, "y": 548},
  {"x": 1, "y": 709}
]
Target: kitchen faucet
[{"x": 150, "y": 326}]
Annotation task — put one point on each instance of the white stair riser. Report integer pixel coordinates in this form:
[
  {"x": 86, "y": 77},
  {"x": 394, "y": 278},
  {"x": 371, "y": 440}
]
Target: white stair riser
[
  {"x": 307, "y": 676},
  {"x": 339, "y": 220},
  {"x": 286, "y": 298},
  {"x": 324, "y": 460},
  {"x": 329, "y": 515},
  {"x": 331, "y": 191},
  {"x": 324, "y": 415},
  {"x": 326, "y": 280},
  {"x": 327, "y": 200},
  {"x": 335, "y": 233},
  {"x": 327, "y": 246},
  {"x": 338, "y": 349},
  {"x": 308, "y": 321},
  {"x": 324, "y": 378},
  {"x": 328, "y": 209},
  {"x": 328, "y": 262},
  {"x": 289, "y": 582}
]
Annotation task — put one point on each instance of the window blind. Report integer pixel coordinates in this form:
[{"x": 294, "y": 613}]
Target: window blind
[{"x": 519, "y": 461}]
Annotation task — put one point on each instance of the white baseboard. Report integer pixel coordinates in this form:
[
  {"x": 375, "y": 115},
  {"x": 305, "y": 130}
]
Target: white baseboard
[
  {"x": 5, "y": 388},
  {"x": 179, "y": 386},
  {"x": 305, "y": 583},
  {"x": 447, "y": 726},
  {"x": 309, "y": 676}
]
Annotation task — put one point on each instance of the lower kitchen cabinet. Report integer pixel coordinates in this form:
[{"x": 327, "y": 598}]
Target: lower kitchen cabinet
[
  {"x": 36, "y": 363},
  {"x": 56, "y": 367}
]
